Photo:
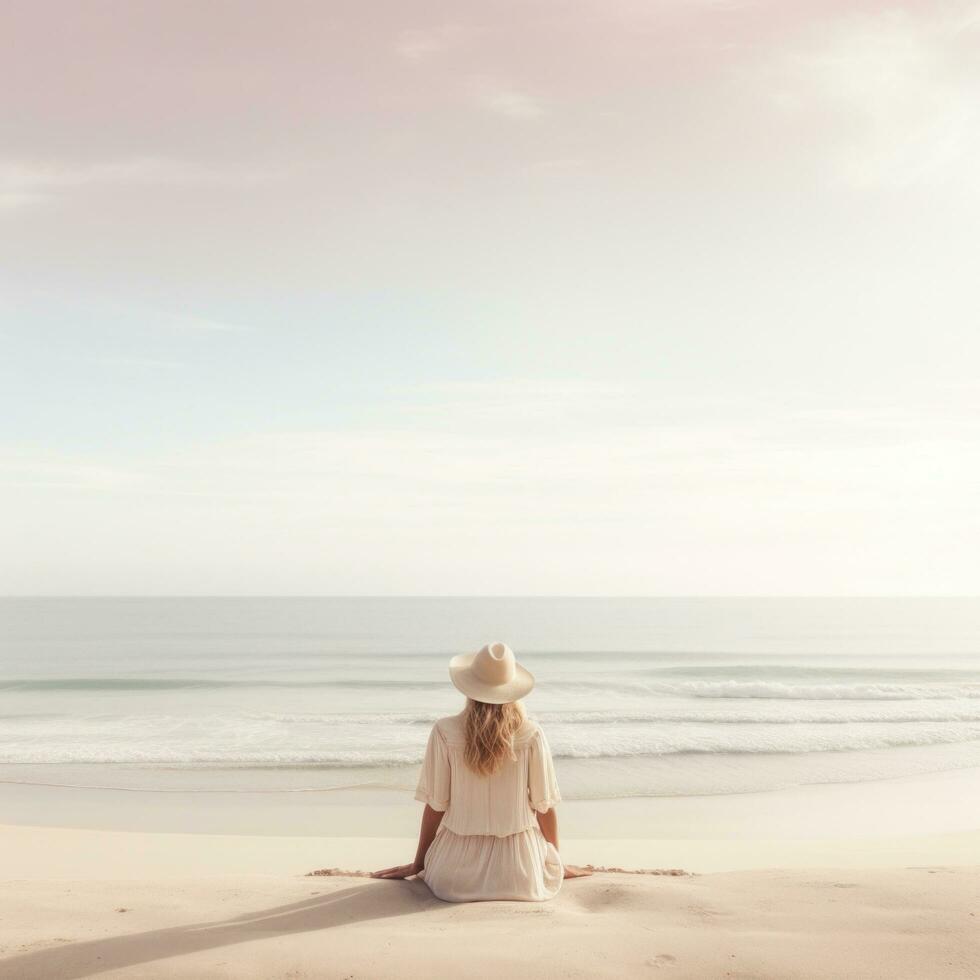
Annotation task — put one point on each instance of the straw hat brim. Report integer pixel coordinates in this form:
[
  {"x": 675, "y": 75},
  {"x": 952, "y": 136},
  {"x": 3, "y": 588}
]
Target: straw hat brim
[{"x": 461, "y": 673}]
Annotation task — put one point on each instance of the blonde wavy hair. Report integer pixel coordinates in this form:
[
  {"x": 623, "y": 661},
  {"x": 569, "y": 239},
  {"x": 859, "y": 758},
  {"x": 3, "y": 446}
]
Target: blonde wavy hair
[{"x": 490, "y": 730}]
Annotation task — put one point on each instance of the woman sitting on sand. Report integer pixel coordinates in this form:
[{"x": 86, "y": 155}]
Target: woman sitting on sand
[{"x": 489, "y": 829}]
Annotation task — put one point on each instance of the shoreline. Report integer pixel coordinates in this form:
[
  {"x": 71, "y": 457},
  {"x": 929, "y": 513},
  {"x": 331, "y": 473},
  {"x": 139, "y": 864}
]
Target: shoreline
[
  {"x": 406, "y": 784},
  {"x": 907, "y": 806}
]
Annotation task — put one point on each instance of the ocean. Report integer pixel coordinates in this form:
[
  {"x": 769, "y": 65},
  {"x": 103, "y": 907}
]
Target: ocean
[{"x": 638, "y": 697}]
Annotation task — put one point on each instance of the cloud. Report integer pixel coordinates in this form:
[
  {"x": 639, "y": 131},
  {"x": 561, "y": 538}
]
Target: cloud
[
  {"x": 522, "y": 402},
  {"x": 133, "y": 361},
  {"x": 900, "y": 91},
  {"x": 483, "y": 500},
  {"x": 37, "y": 468},
  {"x": 11, "y": 200},
  {"x": 493, "y": 443},
  {"x": 185, "y": 321},
  {"x": 24, "y": 183},
  {"x": 505, "y": 100},
  {"x": 558, "y": 166},
  {"x": 420, "y": 45}
]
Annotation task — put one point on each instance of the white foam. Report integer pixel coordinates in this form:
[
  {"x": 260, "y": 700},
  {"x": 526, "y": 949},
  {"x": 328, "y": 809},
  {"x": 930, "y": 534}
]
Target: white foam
[{"x": 815, "y": 692}]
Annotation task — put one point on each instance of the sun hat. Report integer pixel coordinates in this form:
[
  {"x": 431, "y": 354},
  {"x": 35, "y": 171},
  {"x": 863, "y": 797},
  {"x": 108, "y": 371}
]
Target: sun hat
[{"x": 492, "y": 675}]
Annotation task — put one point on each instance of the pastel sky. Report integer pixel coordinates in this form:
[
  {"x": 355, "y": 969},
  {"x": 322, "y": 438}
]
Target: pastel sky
[{"x": 605, "y": 297}]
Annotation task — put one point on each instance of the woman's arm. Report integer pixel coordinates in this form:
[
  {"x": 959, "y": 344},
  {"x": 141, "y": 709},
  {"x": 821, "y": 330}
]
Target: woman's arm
[
  {"x": 427, "y": 832},
  {"x": 548, "y": 822}
]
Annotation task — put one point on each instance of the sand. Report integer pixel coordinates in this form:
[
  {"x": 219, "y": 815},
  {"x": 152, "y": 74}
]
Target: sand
[{"x": 81, "y": 903}]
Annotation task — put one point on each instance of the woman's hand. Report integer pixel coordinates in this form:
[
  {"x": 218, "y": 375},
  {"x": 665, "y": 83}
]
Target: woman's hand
[
  {"x": 571, "y": 871},
  {"x": 401, "y": 871}
]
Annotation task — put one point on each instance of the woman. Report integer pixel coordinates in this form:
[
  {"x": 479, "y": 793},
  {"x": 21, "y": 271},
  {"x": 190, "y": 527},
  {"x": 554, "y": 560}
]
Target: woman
[{"x": 489, "y": 829}]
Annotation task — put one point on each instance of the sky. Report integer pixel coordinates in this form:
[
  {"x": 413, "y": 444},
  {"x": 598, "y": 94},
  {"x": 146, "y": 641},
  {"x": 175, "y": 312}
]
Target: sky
[{"x": 607, "y": 297}]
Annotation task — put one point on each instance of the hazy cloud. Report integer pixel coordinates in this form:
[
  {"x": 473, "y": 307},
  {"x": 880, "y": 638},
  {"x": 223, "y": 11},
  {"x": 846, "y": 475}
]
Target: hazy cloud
[
  {"x": 905, "y": 87},
  {"x": 605, "y": 507},
  {"x": 187, "y": 321},
  {"x": 421, "y": 44},
  {"x": 505, "y": 100},
  {"x": 135, "y": 361},
  {"x": 24, "y": 183}
]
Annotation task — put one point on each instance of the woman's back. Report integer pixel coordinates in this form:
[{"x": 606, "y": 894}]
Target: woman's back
[{"x": 500, "y": 804}]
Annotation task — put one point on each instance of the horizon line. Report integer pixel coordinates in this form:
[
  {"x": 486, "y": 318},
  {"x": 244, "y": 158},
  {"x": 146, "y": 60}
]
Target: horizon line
[{"x": 501, "y": 595}]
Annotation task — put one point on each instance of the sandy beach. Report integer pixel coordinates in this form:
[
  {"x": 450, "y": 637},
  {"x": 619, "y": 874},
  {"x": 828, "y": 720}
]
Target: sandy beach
[
  {"x": 81, "y": 903},
  {"x": 166, "y": 792}
]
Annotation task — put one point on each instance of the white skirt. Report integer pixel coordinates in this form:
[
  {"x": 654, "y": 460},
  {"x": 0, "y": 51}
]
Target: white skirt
[{"x": 523, "y": 867}]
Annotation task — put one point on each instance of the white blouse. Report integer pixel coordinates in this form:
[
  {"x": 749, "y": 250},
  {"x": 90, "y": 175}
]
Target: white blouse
[{"x": 497, "y": 805}]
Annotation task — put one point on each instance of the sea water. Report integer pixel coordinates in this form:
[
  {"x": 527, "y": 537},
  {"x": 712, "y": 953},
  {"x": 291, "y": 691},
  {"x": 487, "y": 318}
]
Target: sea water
[{"x": 638, "y": 697}]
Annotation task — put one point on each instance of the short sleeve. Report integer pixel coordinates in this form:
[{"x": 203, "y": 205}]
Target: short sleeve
[
  {"x": 541, "y": 779},
  {"x": 433, "y": 786}
]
